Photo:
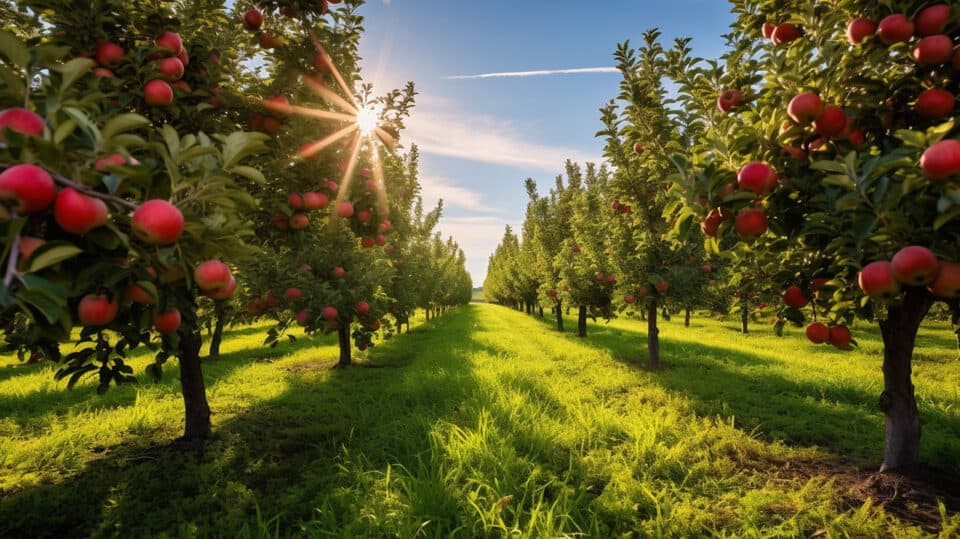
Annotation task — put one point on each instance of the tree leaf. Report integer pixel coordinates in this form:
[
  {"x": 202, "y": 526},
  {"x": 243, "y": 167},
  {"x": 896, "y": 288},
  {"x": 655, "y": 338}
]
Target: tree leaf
[
  {"x": 122, "y": 123},
  {"x": 14, "y": 49},
  {"x": 73, "y": 70},
  {"x": 52, "y": 253}
]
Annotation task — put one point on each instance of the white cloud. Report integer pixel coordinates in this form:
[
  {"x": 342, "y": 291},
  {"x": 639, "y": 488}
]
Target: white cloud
[
  {"x": 478, "y": 237},
  {"x": 440, "y": 130},
  {"x": 535, "y": 73},
  {"x": 433, "y": 188}
]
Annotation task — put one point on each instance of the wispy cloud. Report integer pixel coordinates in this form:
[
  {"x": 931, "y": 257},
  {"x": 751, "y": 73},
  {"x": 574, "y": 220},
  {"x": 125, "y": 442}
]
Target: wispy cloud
[
  {"x": 478, "y": 237},
  {"x": 440, "y": 129},
  {"x": 433, "y": 188},
  {"x": 535, "y": 73}
]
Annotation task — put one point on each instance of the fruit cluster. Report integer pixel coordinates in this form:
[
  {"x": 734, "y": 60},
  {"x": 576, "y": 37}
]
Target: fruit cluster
[
  {"x": 621, "y": 208},
  {"x": 913, "y": 265}
]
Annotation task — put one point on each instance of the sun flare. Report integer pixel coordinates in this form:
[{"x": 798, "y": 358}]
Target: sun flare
[{"x": 368, "y": 118}]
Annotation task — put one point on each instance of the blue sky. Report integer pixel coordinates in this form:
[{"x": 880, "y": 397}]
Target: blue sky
[{"x": 481, "y": 137}]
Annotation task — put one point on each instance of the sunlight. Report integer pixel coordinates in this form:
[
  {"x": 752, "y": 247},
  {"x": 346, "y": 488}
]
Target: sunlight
[{"x": 367, "y": 119}]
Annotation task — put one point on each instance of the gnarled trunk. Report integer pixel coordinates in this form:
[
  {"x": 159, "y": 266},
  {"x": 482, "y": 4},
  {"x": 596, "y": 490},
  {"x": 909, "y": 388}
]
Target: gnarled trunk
[
  {"x": 653, "y": 335},
  {"x": 898, "y": 401},
  {"x": 582, "y": 322},
  {"x": 195, "y": 406},
  {"x": 343, "y": 335},
  {"x": 559, "y": 311}
]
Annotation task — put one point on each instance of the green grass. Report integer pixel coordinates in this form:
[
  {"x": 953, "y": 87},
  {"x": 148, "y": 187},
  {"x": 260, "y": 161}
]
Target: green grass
[{"x": 483, "y": 423}]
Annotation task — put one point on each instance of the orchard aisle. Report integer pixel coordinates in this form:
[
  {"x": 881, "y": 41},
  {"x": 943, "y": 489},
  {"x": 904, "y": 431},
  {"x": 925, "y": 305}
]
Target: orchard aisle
[{"x": 482, "y": 420}]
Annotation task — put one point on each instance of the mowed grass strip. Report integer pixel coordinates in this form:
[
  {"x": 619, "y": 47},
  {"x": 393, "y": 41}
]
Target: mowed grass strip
[{"x": 483, "y": 423}]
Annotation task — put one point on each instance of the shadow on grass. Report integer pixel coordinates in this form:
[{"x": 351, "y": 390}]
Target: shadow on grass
[{"x": 287, "y": 455}]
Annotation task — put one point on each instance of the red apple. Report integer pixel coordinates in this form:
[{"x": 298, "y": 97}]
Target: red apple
[
  {"x": 711, "y": 224},
  {"x": 552, "y": 293},
  {"x": 947, "y": 283},
  {"x": 295, "y": 200},
  {"x": 932, "y": 20},
  {"x": 817, "y": 333},
  {"x": 271, "y": 125},
  {"x": 638, "y": 148},
  {"x": 757, "y": 177},
  {"x": 22, "y": 121},
  {"x": 380, "y": 239},
  {"x": 877, "y": 281},
  {"x": 729, "y": 100},
  {"x": 706, "y": 268},
  {"x": 840, "y": 336},
  {"x": 935, "y": 103},
  {"x": 345, "y": 209},
  {"x": 31, "y": 186},
  {"x": 157, "y": 222},
  {"x": 184, "y": 57},
  {"x": 831, "y": 121},
  {"x": 171, "y": 42},
  {"x": 29, "y": 244},
  {"x": 282, "y": 222},
  {"x": 629, "y": 299},
  {"x": 252, "y": 20},
  {"x": 339, "y": 272},
  {"x": 329, "y": 313},
  {"x": 364, "y": 216},
  {"x": 941, "y": 160},
  {"x": 168, "y": 321},
  {"x": 611, "y": 278},
  {"x": 662, "y": 287},
  {"x": 108, "y": 54},
  {"x": 367, "y": 243},
  {"x": 934, "y": 50},
  {"x": 805, "y": 108},
  {"x": 77, "y": 213},
  {"x": 332, "y": 185},
  {"x": 268, "y": 41},
  {"x": 858, "y": 30},
  {"x": 212, "y": 275},
  {"x": 895, "y": 28},
  {"x": 750, "y": 223},
  {"x": 363, "y": 307},
  {"x": 299, "y": 221},
  {"x": 303, "y": 317},
  {"x": 115, "y": 159},
  {"x": 102, "y": 72},
  {"x": 915, "y": 266},
  {"x": 794, "y": 297},
  {"x": 293, "y": 293},
  {"x": 171, "y": 69},
  {"x": 224, "y": 292},
  {"x": 97, "y": 310},
  {"x": 767, "y": 30},
  {"x": 315, "y": 201},
  {"x": 158, "y": 93},
  {"x": 784, "y": 33}
]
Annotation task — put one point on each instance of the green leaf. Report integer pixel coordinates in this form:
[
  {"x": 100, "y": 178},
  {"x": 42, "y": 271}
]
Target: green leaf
[
  {"x": 14, "y": 49},
  {"x": 73, "y": 70},
  {"x": 249, "y": 173},
  {"x": 51, "y": 253},
  {"x": 64, "y": 130},
  {"x": 123, "y": 123},
  {"x": 946, "y": 217},
  {"x": 81, "y": 118}
]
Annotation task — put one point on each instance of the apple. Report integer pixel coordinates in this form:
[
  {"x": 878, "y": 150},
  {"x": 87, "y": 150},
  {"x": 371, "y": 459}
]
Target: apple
[
  {"x": 329, "y": 313},
  {"x": 797, "y": 153},
  {"x": 941, "y": 160},
  {"x": 363, "y": 307},
  {"x": 184, "y": 57},
  {"x": 750, "y": 223},
  {"x": 371, "y": 185},
  {"x": 367, "y": 243},
  {"x": 611, "y": 278},
  {"x": 282, "y": 222},
  {"x": 339, "y": 272},
  {"x": 831, "y": 121},
  {"x": 805, "y": 108},
  {"x": 139, "y": 295},
  {"x": 332, "y": 185},
  {"x": 171, "y": 42},
  {"x": 817, "y": 333},
  {"x": 224, "y": 292},
  {"x": 295, "y": 200},
  {"x": 375, "y": 325},
  {"x": 364, "y": 216},
  {"x": 915, "y": 266},
  {"x": 629, "y": 299},
  {"x": 22, "y": 121},
  {"x": 212, "y": 275},
  {"x": 877, "y": 281},
  {"x": 345, "y": 209},
  {"x": 729, "y": 100},
  {"x": 706, "y": 268},
  {"x": 299, "y": 221},
  {"x": 662, "y": 287},
  {"x": 552, "y": 293},
  {"x": 638, "y": 148},
  {"x": 158, "y": 93},
  {"x": 271, "y": 125},
  {"x": 711, "y": 223},
  {"x": 934, "y": 50},
  {"x": 29, "y": 244},
  {"x": 268, "y": 41},
  {"x": 157, "y": 222},
  {"x": 292, "y": 293},
  {"x": 252, "y": 20},
  {"x": 97, "y": 310},
  {"x": 171, "y": 69},
  {"x": 102, "y": 73},
  {"x": 380, "y": 239},
  {"x": 288, "y": 11},
  {"x": 182, "y": 84},
  {"x": 31, "y": 186},
  {"x": 758, "y": 177},
  {"x": 270, "y": 300},
  {"x": 840, "y": 336},
  {"x": 168, "y": 321},
  {"x": 895, "y": 28},
  {"x": 615, "y": 205},
  {"x": 932, "y": 20},
  {"x": 794, "y": 297},
  {"x": 385, "y": 225},
  {"x": 784, "y": 33},
  {"x": 858, "y": 30},
  {"x": 302, "y": 317},
  {"x": 114, "y": 159},
  {"x": 935, "y": 103},
  {"x": 315, "y": 201},
  {"x": 108, "y": 54},
  {"x": 857, "y": 137},
  {"x": 947, "y": 283},
  {"x": 77, "y": 213}
]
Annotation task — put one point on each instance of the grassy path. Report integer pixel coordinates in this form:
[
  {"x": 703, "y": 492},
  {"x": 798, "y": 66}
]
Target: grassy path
[{"x": 482, "y": 423}]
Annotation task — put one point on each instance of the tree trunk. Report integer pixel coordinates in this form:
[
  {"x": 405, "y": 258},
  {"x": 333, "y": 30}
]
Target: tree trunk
[
  {"x": 196, "y": 409},
  {"x": 686, "y": 318},
  {"x": 582, "y": 322},
  {"x": 559, "y": 311},
  {"x": 343, "y": 334},
  {"x": 955, "y": 320},
  {"x": 529, "y": 308},
  {"x": 744, "y": 316},
  {"x": 665, "y": 314},
  {"x": 653, "y": 336},
  {"x": 541, "y": 311},
  {"x": 217, "y": 338},
  {"x": 898, "y": 401}
]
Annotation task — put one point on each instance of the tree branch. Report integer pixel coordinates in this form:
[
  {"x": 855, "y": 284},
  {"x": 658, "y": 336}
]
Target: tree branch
[{"x": 63, "y": 180}]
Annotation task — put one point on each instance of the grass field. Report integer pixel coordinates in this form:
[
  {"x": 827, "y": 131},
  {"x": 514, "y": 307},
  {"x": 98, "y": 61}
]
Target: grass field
[{"x": 483, "y": 423}]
